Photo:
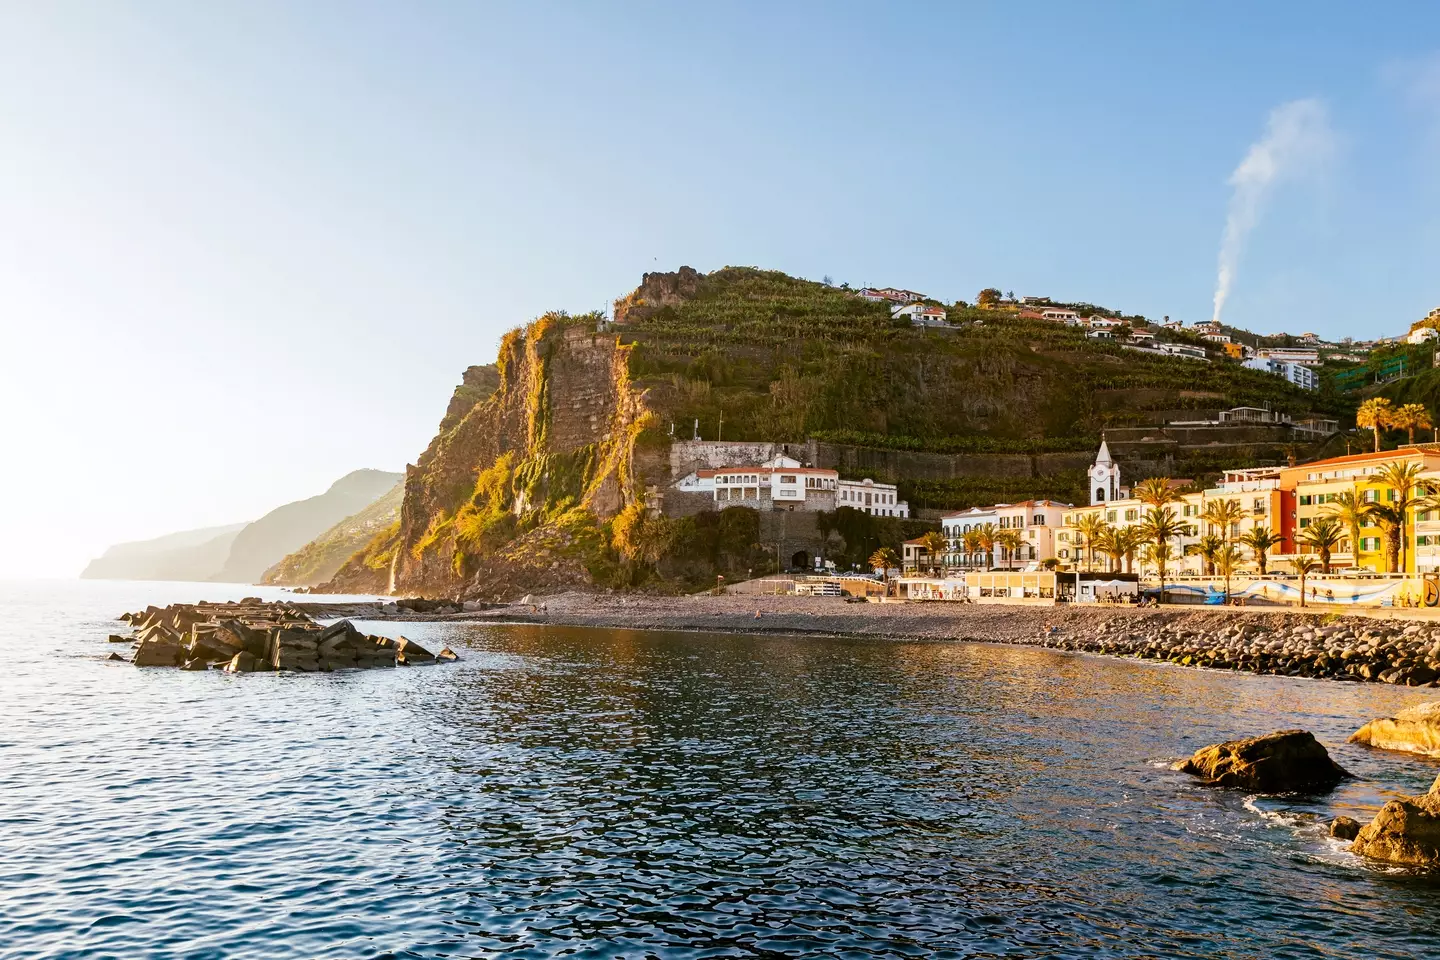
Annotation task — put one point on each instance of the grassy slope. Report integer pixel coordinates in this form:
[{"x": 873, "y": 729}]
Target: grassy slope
[
  {"x": 782, "y": 359},
  {"x": 318, "y": 560}
]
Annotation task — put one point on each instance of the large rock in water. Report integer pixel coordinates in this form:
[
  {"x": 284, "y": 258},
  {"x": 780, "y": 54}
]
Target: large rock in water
[
  {"x": 1413, "y": 730},
  {"x": 1404, "y": 831},
  {"x": 157, "y": 653},
  {"x": 1290, "y": 761}
]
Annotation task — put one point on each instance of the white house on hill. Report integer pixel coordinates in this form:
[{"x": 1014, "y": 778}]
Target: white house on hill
[{"x": 921, "y": 315}]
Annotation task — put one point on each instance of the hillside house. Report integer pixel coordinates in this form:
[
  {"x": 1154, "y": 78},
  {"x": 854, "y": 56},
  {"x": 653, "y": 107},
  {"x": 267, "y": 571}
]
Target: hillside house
[
  {"x": 1183, "y": 350},
  {"x": 921, "y": 315},
  {"x": 1302, "y": 376},
  {"x": 891, "y": 294},
  {"x": 1057, "y": 315},
  {"x": 1102, "y": 323},
  {"x": 783, "y": 483},
  {"x": 877, "y": 499},
  {"x": 1303, "y": 356},
  {"x": 1423, "y": 335}
]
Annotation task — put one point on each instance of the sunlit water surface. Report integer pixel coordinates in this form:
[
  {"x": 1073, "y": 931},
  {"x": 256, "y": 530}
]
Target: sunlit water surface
[{"x": 601, "y": 793}]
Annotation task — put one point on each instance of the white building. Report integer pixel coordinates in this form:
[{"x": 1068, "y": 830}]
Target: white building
[
  {"x": 1301, "y": 376},
  {"x": 956, "y": 525},
  {"x": 1307, "y": 358},
  {"x": 1105, "y": 477},
  {"x": 878, "y": 294},
  {"x": 1101, "y": 334},
  {"x": 1423, "y": 335},
  {"x": 1218, "y": 337},
  {"x": 1184, "y": 350},
  {"x": 1102, "y": 323},
  {"x": 783, "y": 483},
  {"x": 879, "y": 499},
  {"x": 921, "y": 315},
  {"x": 1061, "y": 316}
]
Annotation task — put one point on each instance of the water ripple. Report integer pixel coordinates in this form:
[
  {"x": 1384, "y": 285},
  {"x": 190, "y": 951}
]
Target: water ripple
[{"x": 611, "y": 794}]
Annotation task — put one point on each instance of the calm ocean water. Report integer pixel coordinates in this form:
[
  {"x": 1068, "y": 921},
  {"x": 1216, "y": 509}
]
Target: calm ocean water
[{"x": 593, "y": 793}]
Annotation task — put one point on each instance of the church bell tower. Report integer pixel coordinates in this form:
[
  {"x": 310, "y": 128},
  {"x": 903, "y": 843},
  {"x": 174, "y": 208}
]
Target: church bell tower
[{"x": 1104, "y": 477}]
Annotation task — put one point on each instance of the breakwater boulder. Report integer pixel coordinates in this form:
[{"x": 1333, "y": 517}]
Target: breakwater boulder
[
  {"x": 252, "y": 635},
  {"x": 1399, "y": 652},
  {"x": 1289, "y": 761},
  {"x": 1413, "y": 730},
  {"x": 1405, "y": 831}
]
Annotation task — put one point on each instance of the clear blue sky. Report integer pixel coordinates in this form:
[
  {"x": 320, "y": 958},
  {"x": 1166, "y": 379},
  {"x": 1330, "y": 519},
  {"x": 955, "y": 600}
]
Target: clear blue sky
[{"x": 290, "y": 226}]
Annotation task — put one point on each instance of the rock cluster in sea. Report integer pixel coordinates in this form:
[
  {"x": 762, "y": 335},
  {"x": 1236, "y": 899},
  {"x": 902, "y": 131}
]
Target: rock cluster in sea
[
  {"x": 251, "y": 635},
  {"x": 1290, "y": 761},
  {"x": 1387, "y": 651},
  {"x": 1405, "y": 831}
]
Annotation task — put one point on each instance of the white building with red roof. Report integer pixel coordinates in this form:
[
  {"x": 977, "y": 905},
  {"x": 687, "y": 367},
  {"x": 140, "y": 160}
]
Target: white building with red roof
[
  {"x": 784, "y": 483},
  {"x": 921, "y": 314}
]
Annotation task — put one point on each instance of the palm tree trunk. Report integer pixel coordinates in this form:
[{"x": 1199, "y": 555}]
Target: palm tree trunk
[{"x": 1377, "y": 437}]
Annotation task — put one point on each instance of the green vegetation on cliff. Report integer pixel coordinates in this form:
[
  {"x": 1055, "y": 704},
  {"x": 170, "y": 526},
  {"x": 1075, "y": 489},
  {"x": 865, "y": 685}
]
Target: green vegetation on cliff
[
  {"x": 778, "y": 358},
  {"x": 321, "y": 558},
  {"x": 548, "y": 463}
]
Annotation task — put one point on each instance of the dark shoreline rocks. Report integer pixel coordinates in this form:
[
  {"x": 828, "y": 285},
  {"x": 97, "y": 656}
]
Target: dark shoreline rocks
[
  {"x": 1355, "y": 649},
  {"x": 1289, "y": 761},
  {"x": 251, "y": 635}
]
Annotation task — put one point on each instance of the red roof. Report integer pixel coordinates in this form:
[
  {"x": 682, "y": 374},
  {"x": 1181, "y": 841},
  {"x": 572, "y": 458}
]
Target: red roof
[
  {"x": 765, "y": 470},
  {"x": 1405, "y": 451}
]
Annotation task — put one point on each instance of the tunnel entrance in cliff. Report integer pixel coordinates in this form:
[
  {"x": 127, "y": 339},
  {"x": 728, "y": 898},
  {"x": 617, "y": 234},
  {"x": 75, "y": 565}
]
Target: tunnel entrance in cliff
[{"x": 800, "y": 560}]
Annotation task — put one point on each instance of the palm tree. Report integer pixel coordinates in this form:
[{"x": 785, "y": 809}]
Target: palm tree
[
  {"x": 1160, "y": 527},
  {"x": 1206, "y": 548},
  {"x": 1391, "y": 520},
  {"x": 1304, "y": 565},
  {"x": 1350, "y": 509},
  {"x": 1108, "y": 543},
  {"x": 1322, "y": 534},
  {"x": 1260, "y": 541},
  {"x": 1404, "y": 479},
  {"x": 1226, "y": 561},
  {"x": 986, "y": 541},
  {"x": 935, "y": 545},
  {"x": 1375, "y": 414},
  {"x": 1224, "y": 514},
  {"x": 1009, "y": 542},
  {"x": 1091, "y": 527},
  {"x": 885, "y": 559},
  {"x": 1156, "y": 492},
  {"x": 970, "y": 540},
  {"x": 1129, "y": 539},
  {"x": 1411, "y": 417}
]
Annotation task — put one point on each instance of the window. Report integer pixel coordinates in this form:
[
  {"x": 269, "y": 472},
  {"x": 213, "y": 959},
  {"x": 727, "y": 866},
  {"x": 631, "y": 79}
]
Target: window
[
  {"x": 1369, "y": 543},
  {"x": 1064, "y": 554},
  {"x": 1110, "y": 516},
  {"x": 1130, "y": 514},
  {"x": 1370, "y": 496},
  {"x": 1038, "y": 520},
  {"x": 1304, "y": 499},
  {"x": 787, "y": 478},
  {"x": 1304, "y": 522}
]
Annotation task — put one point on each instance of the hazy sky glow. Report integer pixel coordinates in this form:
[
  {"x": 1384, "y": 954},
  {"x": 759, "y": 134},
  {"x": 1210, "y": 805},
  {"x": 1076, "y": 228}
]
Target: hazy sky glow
[{"x": 246, "y": 248}]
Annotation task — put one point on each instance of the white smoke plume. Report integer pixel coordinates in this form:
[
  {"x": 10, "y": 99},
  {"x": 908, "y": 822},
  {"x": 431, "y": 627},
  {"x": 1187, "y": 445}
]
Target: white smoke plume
[{"x": 1297, "y": 141}]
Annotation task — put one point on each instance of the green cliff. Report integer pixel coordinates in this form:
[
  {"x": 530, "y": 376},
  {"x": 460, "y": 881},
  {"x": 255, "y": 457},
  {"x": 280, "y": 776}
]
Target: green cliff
[{"x": 546, "y": 463}]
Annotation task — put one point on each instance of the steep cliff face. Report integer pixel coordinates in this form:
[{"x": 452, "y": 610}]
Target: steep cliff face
[{"x": 534, "y": 454}]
